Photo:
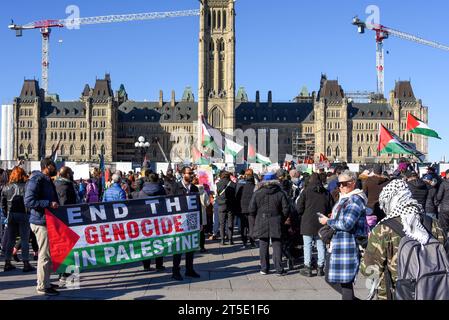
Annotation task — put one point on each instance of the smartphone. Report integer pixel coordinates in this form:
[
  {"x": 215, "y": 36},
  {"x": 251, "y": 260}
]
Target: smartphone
[{"x": 320, "y": 215}]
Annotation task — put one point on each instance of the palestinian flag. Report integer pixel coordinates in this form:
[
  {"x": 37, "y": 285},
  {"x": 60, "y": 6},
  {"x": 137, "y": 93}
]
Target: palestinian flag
[
  {"x": 415, "y": 125},
  {"x": 232, "y": 148},
  {"x": 251, "y": 157},
  {"x": 211, "y": 137},
  {"x": 391, "y": 143},
  {"x": 197, "y": 157},
  {"x": 262, "y": 159}
]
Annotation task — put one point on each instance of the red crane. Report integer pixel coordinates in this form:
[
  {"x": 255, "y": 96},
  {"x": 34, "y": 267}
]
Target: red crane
[
  {"x": 382, "y": 33},
  {"x": 45, "y": 27}
]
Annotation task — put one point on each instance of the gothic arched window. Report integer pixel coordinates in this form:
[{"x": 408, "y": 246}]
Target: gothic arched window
[
  {"x": 216, "y": 118},
  {"x": 102, "y": 150},
  {"x": 360, "y": 153},
  {"x": 329, "y": 152},
  {"x": 369, "y": 152},
  {"x": 62, "y": 150},
  {"x": 21, "y": 149},
  {"x": 94, "y": 150},
  {"x": 72, "y": 150},
  {"x": 83, "y": 150},
  {"x": 337, "y": 151},
  {"x": 30, "y": 149}
]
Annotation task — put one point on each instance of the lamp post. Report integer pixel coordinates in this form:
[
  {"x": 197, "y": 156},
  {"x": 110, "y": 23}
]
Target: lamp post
[{"x": 143, "y": 146}]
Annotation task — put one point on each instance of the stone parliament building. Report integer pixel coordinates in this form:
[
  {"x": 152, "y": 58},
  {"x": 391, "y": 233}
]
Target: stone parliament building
[{"x": 108, "y": 122}]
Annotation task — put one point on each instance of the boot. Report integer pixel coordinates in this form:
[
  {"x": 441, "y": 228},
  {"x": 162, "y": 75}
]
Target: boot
[
  {"x": 306, "y": 271},
  {"x": 8, "y": 266},
  {"x": 27, "y": 267},
  {"x": 320, "y": 272}
]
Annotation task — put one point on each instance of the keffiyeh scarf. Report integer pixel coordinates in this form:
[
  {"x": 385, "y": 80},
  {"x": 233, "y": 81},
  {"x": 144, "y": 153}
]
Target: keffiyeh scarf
[{"x": 396, "y": 201}]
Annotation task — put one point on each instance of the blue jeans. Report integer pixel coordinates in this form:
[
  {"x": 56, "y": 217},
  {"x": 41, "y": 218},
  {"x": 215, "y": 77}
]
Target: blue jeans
[{"x": 308, "y": 250}]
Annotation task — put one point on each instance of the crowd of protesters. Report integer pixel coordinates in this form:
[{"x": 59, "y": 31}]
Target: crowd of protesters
[{"x": 284, "y": 209}]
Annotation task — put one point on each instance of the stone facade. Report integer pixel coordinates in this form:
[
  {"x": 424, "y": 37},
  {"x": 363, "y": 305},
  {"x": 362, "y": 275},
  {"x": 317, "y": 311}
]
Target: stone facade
[{"x": 325, "y": 122}]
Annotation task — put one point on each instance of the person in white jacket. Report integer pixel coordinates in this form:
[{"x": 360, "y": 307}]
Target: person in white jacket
[{"x": 205, "y": 202}]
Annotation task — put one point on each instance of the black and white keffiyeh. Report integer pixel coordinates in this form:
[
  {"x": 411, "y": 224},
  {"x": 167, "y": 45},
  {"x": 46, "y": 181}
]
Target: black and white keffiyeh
[{"x": 396, "y": 201}]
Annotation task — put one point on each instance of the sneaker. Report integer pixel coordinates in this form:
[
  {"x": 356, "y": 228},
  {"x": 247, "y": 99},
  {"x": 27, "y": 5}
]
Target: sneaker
[
  {"x": 192, "y": 274},
  {"x": 306, "y": 271},
  {"x": 177, "y": 277},
  {"x": 58, "y": 286},
  {"x": 263, "y": 272},
  {"x": 48, "y": 292},
  {"x": 320, "y": 272}
]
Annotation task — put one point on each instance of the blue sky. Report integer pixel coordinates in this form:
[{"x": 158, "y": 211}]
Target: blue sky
[{"x": 281, "y": 46}]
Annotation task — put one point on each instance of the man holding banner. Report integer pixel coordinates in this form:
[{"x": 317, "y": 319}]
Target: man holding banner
[{"x": 185, "y": 187}]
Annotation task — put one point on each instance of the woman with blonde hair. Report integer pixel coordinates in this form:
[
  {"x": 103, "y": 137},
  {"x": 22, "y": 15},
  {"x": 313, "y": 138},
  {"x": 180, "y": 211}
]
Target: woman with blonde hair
[{"x": 18, "y": 220}]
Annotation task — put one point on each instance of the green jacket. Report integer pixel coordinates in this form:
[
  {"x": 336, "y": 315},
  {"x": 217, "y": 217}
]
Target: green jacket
[{"x": 382, "y": 251}]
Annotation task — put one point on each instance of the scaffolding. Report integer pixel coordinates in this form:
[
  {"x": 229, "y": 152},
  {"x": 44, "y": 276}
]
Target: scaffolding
[{"x": 303, "y": 145}]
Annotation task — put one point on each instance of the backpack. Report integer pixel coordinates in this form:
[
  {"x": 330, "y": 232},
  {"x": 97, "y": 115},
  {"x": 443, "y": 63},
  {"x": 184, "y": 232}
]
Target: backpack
[{"x": 423, "y": 271}]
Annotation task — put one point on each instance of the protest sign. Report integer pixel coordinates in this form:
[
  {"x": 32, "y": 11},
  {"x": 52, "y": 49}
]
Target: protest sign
[
  {"x": 81, "y": 171},
  {"x": 97, "y": 235},
  {"x": 162, "y": 166},
  {"x": 206, "y": 176},
  {"x": 257, "y": 167},
  {"x": 124, "y": 167}
]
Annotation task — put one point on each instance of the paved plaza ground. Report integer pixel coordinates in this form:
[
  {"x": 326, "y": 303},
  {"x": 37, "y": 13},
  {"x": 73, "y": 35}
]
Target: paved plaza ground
[{"x": 227, "y": 273}]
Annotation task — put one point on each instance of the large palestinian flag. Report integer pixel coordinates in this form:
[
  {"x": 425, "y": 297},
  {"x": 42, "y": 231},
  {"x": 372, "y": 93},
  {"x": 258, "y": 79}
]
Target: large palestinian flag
[
  {"x": 415, "y": 125},
  {"x": 210, "y": 137},
  {"x": 391, "y": 143}
]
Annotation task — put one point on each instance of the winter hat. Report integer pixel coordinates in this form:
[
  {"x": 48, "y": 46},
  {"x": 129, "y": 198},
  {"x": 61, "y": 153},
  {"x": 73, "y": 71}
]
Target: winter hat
[{"x": 269, "y": 176}]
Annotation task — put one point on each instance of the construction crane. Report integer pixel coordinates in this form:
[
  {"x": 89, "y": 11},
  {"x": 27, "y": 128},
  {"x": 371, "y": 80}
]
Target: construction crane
[
  {"x": 46, "y": 26},
  {"x": 383, "y": 33}
]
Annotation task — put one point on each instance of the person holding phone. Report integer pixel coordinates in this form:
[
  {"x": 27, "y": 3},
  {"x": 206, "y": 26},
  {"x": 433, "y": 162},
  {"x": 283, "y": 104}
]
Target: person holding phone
[
  {"x": 313, "y": 202},
  {"x": 349, "y": 221}
]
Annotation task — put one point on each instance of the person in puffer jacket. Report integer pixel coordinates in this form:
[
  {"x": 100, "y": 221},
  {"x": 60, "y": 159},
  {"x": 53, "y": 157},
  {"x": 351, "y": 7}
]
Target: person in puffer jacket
[
  {"x": 152, "y": 188},
  {"x": 92, "y": 194},
  {"x": 40, "y": 194},
  {"x": 115, "y": 191},
  {"x": 270, "y": 206}
]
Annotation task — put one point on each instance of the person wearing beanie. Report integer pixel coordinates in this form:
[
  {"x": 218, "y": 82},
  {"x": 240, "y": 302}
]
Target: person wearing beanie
[{"x": 270, "y": 207}]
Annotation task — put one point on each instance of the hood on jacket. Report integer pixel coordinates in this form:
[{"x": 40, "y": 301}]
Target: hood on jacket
[
  {"x": 150, "y": 188},
  {"x": 417, "y": 184},
  {"x": 378, "y": 180},
  {"x": 61, "y": 180},
  {"x": 357, "y": 192},
  {"x": 272, "y": 186}
]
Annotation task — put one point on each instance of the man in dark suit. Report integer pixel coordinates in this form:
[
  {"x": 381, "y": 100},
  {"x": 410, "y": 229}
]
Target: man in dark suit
[{"x": 184, "y": 187}]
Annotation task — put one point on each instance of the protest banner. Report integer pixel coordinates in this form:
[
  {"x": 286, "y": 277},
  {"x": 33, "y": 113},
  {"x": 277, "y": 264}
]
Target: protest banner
[
  {"x": 124, "y": 167},
  {"x": 88, "y": 236},
  {"x": 257, "y": 167},
  {"x": 162, "y": 166}
]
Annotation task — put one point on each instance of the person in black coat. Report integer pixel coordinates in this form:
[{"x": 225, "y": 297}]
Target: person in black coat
[
  {"x": 67, "y": 195},
  {"x": 417, "y": 187},
  {"x": 244, "y": 193},
  {"x": 13, "y": 207},
  {"x": 314, "y": 199},
  {"x": 150, "y": 189},
  {"x": 443, "y": 202},
  {"x": 184, "y": 187},
  {"x": 226, "y": 206},
  {"x": 65, "y": 187},
  {"x": 270, "y": 206},
  {"x": 431, "y": 201}
]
